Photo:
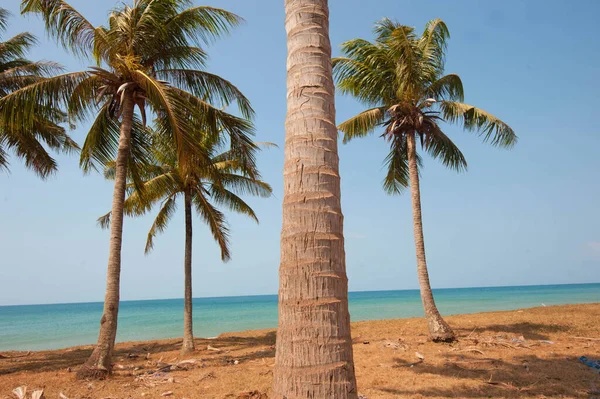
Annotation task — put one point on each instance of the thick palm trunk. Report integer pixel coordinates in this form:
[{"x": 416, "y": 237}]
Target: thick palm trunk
[
  {"x": 439, "y": 330},
  {"x": 188, "y": 329},
  {"x": 99, "y": 363},
  {"x": 314, "y": 347}
]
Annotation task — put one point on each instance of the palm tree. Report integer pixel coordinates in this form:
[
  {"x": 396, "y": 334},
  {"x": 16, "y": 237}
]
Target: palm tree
[
  {"x": 314, "y": 348},
  {"x": 401, "y": 78},
  {"x": 203, "y": 186},
  {"x": 148, "y": 56},
  {"x": 27, "y": 142}
]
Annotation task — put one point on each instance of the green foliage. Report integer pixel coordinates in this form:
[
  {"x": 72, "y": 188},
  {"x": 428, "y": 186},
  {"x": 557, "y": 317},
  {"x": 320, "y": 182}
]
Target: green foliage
[
  {"x": 43, "y": 129},
  {"x": 220, "y": 183},
  {"x": 149, "y": 52},
  {"x": 400, "y": 76}
]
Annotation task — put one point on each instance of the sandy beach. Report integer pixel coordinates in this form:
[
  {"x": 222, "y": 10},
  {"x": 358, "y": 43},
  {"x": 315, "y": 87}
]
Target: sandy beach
[{"x": 523, "y": 353}]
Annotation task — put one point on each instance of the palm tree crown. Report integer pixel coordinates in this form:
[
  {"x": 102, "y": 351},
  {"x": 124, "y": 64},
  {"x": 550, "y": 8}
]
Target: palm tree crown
[
  {"x": 150, "y": 53},
  {"x": 27, "y": 142},
  {"x": 401, "y": 77},
  {"x": 209, "y": 186}
]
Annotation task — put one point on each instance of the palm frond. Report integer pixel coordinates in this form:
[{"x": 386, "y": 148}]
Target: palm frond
[
  {"x": 212, "y": 88},
  {"x": 397, "y": 177},
  {"x": 477, "y": 120},
  {"x": 200, "y": 24},
  {"x": 362, "y": 124},
  {"x": 161, "y": 221},
  {"x": 17, "y": 46},
  {"x": 433, "y": 44},
  {"x": 232, "y": 202},
  {"x": 447, "y": 87},
  {"x": 64, "y": 23},
  {"x": 215, "y": 220},
  {"x": 441, "y": 147}
]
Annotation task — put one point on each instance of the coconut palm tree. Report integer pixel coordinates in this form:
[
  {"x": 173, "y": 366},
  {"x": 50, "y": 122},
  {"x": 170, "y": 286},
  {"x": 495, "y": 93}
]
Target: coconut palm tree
[
  {"x": 401, "y": 78},
  {"x": 148, "y": 57},
  {"x": 202, "y": 186},
  {"x": 314, "y": 348},
  {"x": 17, "y": 72}
]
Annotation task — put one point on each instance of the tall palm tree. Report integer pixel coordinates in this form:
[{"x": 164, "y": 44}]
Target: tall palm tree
[
  {"x": 203, "y": 186},
  {"x": 148, "y": 56},
  {"x": 401, "y": 77},
  {"x": 27, "y": 142},
  {"x": 314, "y": 348}
]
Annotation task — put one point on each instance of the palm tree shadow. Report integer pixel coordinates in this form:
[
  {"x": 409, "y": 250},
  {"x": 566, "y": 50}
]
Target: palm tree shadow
[
  {"x": 533, "y": 331},
  {"x": 523, "y": 376},
  {"x": 253, "y": 347}
]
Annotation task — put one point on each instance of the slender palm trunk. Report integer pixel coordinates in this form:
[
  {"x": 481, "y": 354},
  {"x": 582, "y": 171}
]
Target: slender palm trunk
[
  {"x": 314, "y": 348},
  {"x": 188, "y": 329},
  {"x": 99, "y": 363},
  {"x": 439, "y": 330}
]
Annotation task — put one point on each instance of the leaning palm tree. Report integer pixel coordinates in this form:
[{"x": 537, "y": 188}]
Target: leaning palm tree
[
  {"x": 401, "y": 78},
  {"x": 148, "y": 56},
  {"x": 202, "y": 186},
  {"x": 28, "y": 142},
  {"x": 314, "y": 348}
]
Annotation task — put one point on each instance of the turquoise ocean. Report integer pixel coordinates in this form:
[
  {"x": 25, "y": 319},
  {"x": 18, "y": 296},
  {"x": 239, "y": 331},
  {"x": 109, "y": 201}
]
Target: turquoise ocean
[{"x": 37, "y": 327}]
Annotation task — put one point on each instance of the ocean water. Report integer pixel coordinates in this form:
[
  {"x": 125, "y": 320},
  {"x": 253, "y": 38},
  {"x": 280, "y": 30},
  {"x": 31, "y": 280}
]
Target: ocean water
[{"x": 37, "y": 327}]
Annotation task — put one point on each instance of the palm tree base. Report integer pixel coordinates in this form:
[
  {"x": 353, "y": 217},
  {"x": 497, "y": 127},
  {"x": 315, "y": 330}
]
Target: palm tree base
[
  {"x": 440, "y": 331},
  {"x": 91, "y": 373},
  {"x": 187, "y": 349}
]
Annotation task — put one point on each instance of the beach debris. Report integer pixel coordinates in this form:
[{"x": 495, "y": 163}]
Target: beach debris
[
  {"x": 188, "y": 361},
  {"x": 391, "y": 344},
  {"x": 366, "y": 342},
  {"x": 20, "y": 392},
  {"x": 587, "y": 338},
  {"x": 360, "y": 396},
  {"x": 595, "y": 364},
  {"x": 420, "y": 356},
  {"x": 469, "y": 349},
  {"x": 3, "y": 357},
  {"x": 168, "y": 393},
  {"x": 545, "y": 341},
  {"x": 207, "y": 376},
  {"x": 39, "y": 394},
  {"x": 252, "y": 395},
  {"x": 212, "y": 348},
  {"x": 62, "y": 396},
  {"x": 510, "y": 387}
]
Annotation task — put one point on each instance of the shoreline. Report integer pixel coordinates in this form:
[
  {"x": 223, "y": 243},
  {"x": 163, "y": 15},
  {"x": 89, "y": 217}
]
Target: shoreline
[
  {"x": 90, "y": 346},
  {"x": 502, "y": 354}
]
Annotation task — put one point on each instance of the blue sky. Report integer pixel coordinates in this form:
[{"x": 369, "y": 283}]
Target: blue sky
[{"x": 520, "y": 217}]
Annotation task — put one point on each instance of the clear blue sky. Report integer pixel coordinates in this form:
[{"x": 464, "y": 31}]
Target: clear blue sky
[{"x": 520, "y": 217}]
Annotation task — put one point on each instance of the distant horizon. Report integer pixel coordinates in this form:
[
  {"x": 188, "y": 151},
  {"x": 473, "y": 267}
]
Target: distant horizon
[{"x": 261, "y": 295}]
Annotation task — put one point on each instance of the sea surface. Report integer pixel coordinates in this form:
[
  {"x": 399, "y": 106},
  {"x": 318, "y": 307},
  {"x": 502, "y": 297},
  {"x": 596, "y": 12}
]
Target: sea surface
[{"x": 37, "y": 327}]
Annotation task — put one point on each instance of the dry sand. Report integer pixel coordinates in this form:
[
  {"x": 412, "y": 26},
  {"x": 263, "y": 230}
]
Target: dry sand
[{"x": 530, "y": 353}]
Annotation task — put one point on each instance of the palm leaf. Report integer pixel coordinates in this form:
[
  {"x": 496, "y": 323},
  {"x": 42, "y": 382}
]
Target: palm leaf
[
  {"x": 474, "y": 119},
  {"x": 362, "y": 124},
  {"x": 215, "y": 220},
  {"x": 161, "y": 221}
]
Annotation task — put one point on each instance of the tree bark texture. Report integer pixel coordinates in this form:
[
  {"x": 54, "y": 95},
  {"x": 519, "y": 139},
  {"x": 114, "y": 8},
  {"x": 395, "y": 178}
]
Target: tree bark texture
[
  {"x": 439, "y": 330},
  {"x": 99, "y": 363},
  {"x": 188, "y": 329},
  {"x": 314, "y": 348}
]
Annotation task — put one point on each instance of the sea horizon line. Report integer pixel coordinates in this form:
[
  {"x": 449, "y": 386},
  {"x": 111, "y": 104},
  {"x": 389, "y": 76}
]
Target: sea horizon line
[{"x": 266, "y": 295}]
